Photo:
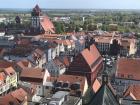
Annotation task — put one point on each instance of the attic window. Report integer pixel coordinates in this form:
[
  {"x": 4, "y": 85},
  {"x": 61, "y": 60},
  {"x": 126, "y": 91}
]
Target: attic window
[
  {"x": 130, "y": 76},
  {"x": 122, "y": 75}
]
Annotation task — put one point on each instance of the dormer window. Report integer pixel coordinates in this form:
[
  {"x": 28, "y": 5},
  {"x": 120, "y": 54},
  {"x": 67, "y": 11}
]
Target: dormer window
[
  {"x": 130, "y": 76},
  {"x": 122, "y": 75}
]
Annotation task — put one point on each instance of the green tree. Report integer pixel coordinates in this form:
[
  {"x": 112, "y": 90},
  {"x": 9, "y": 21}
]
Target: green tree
[{"x": 59, "y": 27}]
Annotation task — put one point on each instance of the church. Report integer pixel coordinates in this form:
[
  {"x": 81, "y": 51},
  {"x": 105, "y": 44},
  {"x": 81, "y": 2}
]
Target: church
[{"x": 40, "y": 24}]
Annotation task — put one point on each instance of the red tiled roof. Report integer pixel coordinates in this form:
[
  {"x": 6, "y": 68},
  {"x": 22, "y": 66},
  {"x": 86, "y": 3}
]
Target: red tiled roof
[
  {"x": 96, "y": 85},
  {"x": 128, "y": 68},
  {"x": 19, "y": 94},
  {"x": 32, "y": 75},
  {"x": 92, "y": 55},
  {"x": 47, "y": 25},
  {"x": 88, "y": 56},
  {"x": 73, "y": 79},
  {"x": 23, "y": 63},
  {"x": 7, "y": 99},
  {"x": 9, "y": 71},
  {"x": 133, "y": 91},
  {"x": 5, "y": 64},
  {"x": 2, "y": 76},
  {"x": 94, "y": 51}
]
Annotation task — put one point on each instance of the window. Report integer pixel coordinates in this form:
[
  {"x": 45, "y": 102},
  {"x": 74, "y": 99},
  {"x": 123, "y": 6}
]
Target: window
[
  {"x": 130, "y": 76},
  {"x": 122, "y": 75}
]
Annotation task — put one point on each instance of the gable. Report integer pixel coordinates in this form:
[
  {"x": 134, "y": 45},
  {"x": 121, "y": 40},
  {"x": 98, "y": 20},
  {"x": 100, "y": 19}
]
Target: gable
[{"x": 79, "y": 64}]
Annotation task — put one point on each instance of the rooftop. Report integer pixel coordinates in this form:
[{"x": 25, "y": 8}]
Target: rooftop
[{"x": 128, "y": 68}]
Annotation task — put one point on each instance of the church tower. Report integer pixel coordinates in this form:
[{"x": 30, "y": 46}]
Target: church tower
[{"x": 36, "y": 13}]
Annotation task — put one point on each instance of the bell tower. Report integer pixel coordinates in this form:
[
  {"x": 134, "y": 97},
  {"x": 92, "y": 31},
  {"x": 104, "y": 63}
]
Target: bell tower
[{"x": 36, "y": 13}]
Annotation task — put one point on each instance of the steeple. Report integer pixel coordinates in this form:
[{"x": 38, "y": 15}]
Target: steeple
[{"x": 36, "y": 11}]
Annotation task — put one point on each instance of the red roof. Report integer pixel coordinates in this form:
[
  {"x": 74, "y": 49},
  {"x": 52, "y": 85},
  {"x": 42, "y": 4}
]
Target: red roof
[
  {"x": 73, "y": 79},
  {"x": 47, "y": 25},
  {"x": 95, "y": 52},
  {"x": 7, "y": 99},
  {"x": 9, "y": 71},
  {"x": 23, "y": 63},
  {"x": 133, "y": 91},
  {"x": 96, "y": 85},
  {"x": 128, "y": 68},
  {"x": 88, "y": 56},
  {"x": 19, "y": 94},
  {"x": 2, "y": 76},
  {"x": 5, "y": 64}
]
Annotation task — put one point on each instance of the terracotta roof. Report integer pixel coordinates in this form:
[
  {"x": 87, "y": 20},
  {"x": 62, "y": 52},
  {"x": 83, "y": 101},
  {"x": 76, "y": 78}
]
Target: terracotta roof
[
  {"x": 47, "y": 25},
  {"x": 128, "y": 68},
  {"x": 5, "y": 64},
  {"x": 73, "y": 79},
  {"x": 96, "y": 86},
  {"x": 23, "y": 63},
  {"x": 9, "y": 71},
  {"x": 2, "y": 76},
  {"x": 92, "y": 55},
  {"x": 103, "y": 40},
  {"x": 19, "y": 94},
  {"x": 32, "y": 73},
  {"x": 88, "y": 56},
  {"x": 95, "y": 52},
  {"x": 7, "y": 99},
  {"x": 133, "y": 92}
]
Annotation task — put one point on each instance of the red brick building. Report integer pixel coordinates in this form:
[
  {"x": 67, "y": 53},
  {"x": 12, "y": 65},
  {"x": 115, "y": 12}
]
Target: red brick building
[{"x": 88, "y": 63}]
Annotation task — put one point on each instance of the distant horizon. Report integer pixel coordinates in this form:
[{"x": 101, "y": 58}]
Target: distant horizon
[
  {"x": 71, "y": 8},
  {"x": 72, "y": 4}
]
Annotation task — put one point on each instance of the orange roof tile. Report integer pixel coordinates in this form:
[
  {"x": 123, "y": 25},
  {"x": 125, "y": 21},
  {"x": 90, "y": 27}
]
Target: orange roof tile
[
  {"x": 32, "y": 73},
  {"x": 19, "y": 94},
  {"x": 133, "y": 91},
  {"x": 23, "y": 63},
  {"x": 9, "y": 71},
  {"x": 47, "y": 25},
  {"x": 88, "y": 56},
  {"x": 95, "y": 52},
  {"x": 73, "y": 79},
  {"x": 5, "y": 64},
  {"x": 7, "y": 99},
  {"x": 2, "y": 76},
  {"x": 128, "y": 68},
  {"x": 96, "y": 85}
]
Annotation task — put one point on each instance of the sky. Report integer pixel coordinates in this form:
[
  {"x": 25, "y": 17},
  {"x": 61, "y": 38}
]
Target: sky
[{"x": 72, "y": 4}]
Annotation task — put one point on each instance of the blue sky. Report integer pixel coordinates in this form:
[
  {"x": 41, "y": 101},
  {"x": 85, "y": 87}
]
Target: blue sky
[{"x": 94, "y": 4}]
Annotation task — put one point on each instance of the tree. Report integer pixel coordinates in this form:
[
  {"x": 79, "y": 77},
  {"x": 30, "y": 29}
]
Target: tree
[{"x": 59, "y": 27}]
